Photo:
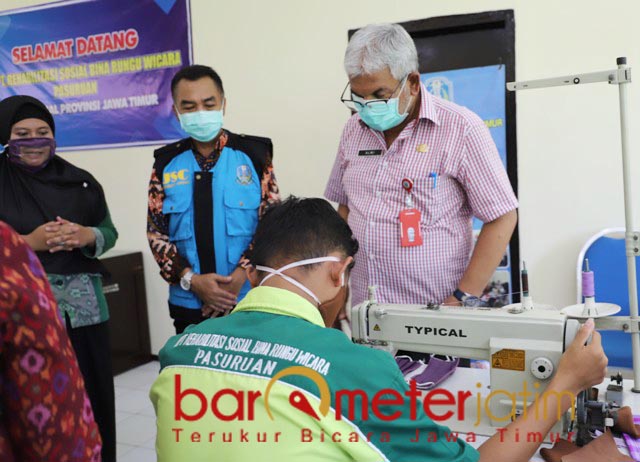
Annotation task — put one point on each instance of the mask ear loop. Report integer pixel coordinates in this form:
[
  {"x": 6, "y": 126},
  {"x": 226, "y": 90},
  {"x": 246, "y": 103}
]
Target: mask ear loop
[
  {"x": 406, "y": 110},
  {"x": 177, "y": 112},
  {"x": 309, "y": 261},
  {"x": 290, "y": 280},
  {"x": 6, "y": 150},
  {"x": 279, "y": 272}
]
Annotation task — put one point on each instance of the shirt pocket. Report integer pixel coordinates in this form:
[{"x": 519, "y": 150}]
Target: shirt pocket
[
  {"x": 178, "y": 208},
  {"x": 241, "y": 205},
  {"x": 428, "y": 194}
]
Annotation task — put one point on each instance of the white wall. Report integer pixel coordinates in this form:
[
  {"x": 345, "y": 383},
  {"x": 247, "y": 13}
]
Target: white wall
[{"x": 281, "y": 62}]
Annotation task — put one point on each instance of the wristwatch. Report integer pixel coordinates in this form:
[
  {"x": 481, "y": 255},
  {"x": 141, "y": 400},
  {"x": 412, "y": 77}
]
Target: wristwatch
[
  {"x": 185, "y": 281},
  {"x": 467, "y": 299}
]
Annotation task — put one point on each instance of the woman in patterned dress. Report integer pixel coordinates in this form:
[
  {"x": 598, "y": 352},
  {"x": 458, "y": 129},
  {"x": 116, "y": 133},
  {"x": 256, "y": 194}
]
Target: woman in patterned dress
[{"x": 45, "y": 414}]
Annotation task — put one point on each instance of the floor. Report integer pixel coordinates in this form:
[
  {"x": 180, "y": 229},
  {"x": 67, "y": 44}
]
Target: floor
[{"x": 135, "y": 417}]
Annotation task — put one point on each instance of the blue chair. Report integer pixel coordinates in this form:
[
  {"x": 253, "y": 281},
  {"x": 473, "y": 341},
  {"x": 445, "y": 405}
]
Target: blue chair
[{"x": 607, "y": 259}]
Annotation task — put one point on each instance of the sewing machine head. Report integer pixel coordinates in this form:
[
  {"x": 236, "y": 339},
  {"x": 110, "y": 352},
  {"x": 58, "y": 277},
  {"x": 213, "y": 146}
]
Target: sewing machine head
[
  {"x": 476, "y": 333},
  {"x": 523, "y": 348}
]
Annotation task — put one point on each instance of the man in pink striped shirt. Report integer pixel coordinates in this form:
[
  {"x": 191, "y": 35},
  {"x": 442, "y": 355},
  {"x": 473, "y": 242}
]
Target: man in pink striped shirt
[{"x": 400, "y": 132}]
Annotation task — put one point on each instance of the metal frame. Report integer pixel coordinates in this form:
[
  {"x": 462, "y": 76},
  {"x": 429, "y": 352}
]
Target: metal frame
[{"x": 621, "y": 77}]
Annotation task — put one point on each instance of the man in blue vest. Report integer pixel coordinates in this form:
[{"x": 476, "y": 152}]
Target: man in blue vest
[{"x": 206, "y": 195}]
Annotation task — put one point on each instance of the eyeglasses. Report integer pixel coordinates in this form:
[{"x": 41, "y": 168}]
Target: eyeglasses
[{"x": 358, "y": 103}]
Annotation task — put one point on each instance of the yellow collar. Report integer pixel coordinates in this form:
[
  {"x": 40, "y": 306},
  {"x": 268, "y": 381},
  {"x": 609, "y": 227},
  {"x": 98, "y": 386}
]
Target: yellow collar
[{"x": 279, "y": 301}]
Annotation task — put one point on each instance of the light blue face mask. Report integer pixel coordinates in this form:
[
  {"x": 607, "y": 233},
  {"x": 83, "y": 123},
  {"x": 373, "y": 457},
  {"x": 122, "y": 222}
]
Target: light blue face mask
[
  {"x": 383, "y": 114},
  {"x": 201, "y": 125}
]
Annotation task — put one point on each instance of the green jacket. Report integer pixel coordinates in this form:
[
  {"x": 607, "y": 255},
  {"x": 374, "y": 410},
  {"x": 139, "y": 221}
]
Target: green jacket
[{"x": 270, "y": 382}]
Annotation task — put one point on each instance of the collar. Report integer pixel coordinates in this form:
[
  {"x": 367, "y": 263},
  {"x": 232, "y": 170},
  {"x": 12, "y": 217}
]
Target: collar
[
  {"x": 207, "y": 163},
  {"x": 281, "y": 302},
  {"x": 427, "y": 106}
]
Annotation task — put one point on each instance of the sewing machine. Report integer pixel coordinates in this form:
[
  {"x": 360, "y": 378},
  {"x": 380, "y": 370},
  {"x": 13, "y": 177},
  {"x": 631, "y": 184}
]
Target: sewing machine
[{"x": 522, "y": 346}]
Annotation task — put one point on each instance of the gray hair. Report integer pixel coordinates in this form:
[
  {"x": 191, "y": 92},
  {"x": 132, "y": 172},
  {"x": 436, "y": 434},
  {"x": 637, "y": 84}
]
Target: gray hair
[{"x": 377, "y": 46}]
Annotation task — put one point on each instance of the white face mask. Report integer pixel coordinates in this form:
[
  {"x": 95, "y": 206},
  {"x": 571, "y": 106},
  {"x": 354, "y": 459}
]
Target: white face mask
[{"x": 280, "y": 272}]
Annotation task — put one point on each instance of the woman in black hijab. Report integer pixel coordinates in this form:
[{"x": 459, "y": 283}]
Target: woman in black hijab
[{"x": 61, "y": 212}]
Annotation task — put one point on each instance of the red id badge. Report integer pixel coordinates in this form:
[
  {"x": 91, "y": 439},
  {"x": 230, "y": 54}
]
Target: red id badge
[{"x": 410, "y": 235}]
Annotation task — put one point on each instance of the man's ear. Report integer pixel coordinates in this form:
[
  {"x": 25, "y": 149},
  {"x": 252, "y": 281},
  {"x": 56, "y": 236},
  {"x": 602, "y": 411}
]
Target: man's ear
[
  {"x": 252, "y": 275},
  {"x": 224, "y": 107},
  {"x": 174, "y": 109},
  {"x": 414, "y": 83},
  {"x": 339, "y": 271}
]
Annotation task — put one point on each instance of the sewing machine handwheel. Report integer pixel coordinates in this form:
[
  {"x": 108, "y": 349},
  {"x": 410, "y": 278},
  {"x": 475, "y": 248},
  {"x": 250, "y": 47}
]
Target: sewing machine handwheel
[
  {"x": 583, "y": 435},
  {"x": 541, "y": 368}
]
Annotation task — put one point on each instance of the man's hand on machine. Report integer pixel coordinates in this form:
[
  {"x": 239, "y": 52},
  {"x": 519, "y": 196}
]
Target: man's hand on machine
[
  {"x": 582, "y": 366},
  {"x": 208, "y": 288},
  {"x": 451, "y": 301}
]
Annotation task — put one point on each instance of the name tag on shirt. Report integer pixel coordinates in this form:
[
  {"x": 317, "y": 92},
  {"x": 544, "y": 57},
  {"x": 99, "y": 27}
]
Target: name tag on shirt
[
  {"x": 410, "y": 235},
  {"x": 370, "y": 152}
]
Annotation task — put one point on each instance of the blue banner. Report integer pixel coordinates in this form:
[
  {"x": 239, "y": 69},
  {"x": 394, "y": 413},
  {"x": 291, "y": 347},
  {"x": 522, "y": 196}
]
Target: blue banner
[
  {"x": 482, "y": 90},
  {"x": 103, "y": 67}
]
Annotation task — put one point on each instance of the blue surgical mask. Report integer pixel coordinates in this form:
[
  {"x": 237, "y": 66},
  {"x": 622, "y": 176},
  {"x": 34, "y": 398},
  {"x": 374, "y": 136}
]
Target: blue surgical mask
[
  {"x": 382, "y": 115},
  {"x": 201, "y": 125}
]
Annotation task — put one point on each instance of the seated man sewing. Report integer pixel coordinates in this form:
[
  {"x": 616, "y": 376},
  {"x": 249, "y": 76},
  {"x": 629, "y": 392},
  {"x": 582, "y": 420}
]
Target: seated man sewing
[{"x": 270, "y": 382}]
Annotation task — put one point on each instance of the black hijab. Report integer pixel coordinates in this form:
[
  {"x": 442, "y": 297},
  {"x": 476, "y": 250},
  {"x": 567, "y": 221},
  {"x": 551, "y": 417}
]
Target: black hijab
[{"x": 30, "y": 199}]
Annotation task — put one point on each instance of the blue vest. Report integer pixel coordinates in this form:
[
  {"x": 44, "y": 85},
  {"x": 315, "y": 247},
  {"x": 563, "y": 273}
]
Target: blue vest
[{"x": 237, "y": 193}]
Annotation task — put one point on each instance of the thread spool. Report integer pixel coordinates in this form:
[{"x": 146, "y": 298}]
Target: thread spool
[
  {"x": 525, "y": 280},
  {"x": 590, "y": 309},
  {"x": 588, "y": 284}
]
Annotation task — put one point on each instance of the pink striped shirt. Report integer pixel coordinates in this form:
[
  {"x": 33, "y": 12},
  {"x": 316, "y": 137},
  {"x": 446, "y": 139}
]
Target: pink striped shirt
[{"x": 448, "y": 140}]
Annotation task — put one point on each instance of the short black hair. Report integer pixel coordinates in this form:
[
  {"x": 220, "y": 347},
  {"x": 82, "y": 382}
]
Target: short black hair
[
  {"x": 196, "y": 72},
  {"x": 298, "y": 229}
]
